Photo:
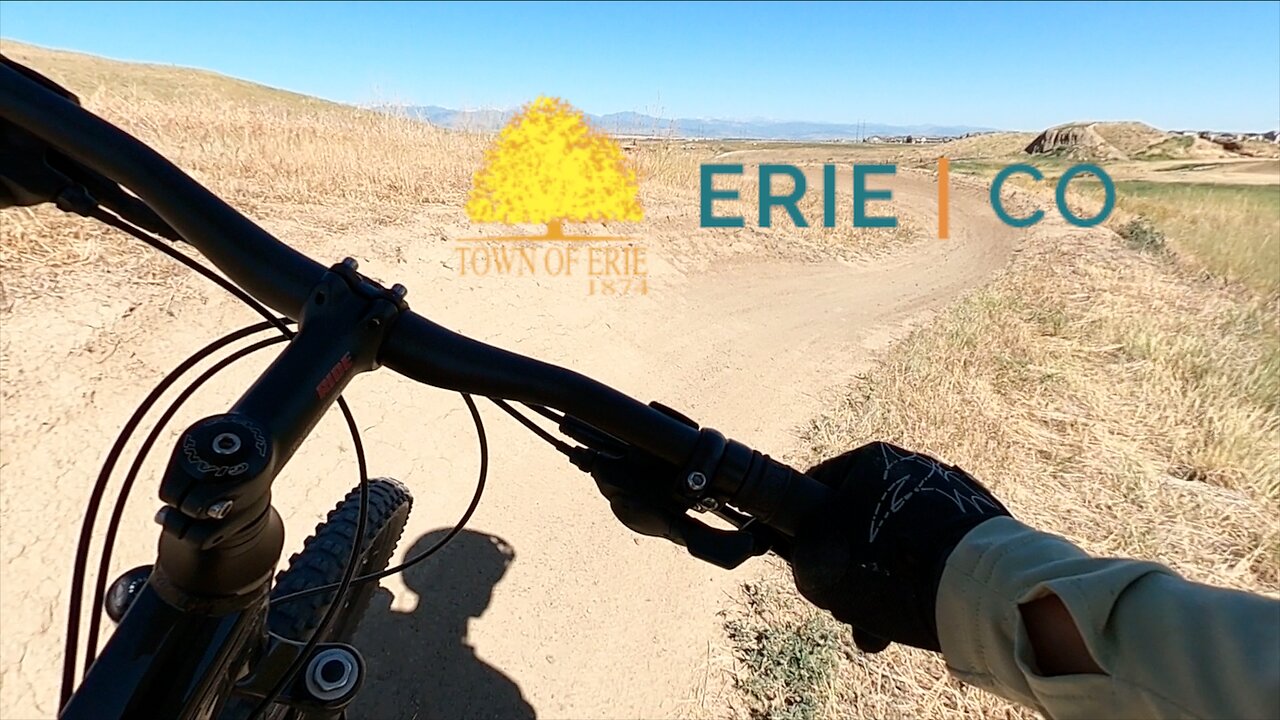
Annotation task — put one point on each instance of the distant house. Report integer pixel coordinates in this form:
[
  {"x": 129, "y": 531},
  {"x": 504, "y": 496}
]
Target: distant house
[{"x": 874, "y": 139}]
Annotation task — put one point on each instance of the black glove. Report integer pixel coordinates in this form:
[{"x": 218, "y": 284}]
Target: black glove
[{"x": 875, "y": 555}]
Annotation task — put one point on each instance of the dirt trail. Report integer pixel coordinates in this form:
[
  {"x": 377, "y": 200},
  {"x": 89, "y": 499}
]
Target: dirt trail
[{"x": 548, "y": 605}]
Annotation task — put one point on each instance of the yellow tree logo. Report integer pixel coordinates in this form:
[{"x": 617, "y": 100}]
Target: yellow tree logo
[{"x": 548, "y": 166}]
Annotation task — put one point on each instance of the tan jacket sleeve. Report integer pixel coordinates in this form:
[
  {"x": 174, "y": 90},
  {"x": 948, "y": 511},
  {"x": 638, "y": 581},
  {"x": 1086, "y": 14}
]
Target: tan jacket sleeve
[{"x": 1169, "y": 647}]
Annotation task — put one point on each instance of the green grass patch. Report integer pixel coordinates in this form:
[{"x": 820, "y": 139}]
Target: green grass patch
[
  {"x": 1174, "y": 148},
  {"x": 1141, "y": 235},
  {"x": 1052, "y": 166},
  {"x": 790, "y": 651}
]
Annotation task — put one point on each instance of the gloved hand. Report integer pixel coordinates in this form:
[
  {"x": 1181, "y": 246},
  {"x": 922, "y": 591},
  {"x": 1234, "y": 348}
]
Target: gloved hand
[{"x": 874, "y": 556}]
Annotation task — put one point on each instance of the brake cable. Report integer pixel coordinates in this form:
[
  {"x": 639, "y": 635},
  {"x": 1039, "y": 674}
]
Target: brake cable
[
  {"x": 118, "y": 448},
  {"x": 546, "y": 412},
  {"x": 113, "y": 526},
  {"x": 554, "y": 441}
]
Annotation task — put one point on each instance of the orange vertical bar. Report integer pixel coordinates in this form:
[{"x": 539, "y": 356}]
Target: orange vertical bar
[{"x": 944, "y": 205}]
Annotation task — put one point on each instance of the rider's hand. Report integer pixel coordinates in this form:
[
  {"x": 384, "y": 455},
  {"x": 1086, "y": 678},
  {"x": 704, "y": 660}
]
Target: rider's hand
[{"x": 875, "y": 555}]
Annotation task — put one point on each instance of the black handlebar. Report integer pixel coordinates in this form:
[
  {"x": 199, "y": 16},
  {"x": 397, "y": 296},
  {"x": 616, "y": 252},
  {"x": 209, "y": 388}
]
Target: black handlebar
[{"x": 282, "y": 278}]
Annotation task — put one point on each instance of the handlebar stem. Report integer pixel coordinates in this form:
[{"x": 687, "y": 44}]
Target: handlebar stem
[{"x": 221, "y": 536}]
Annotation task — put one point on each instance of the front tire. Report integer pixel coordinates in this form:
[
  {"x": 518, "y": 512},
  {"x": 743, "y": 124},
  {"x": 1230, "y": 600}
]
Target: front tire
[{"x": 324, "y": 556}]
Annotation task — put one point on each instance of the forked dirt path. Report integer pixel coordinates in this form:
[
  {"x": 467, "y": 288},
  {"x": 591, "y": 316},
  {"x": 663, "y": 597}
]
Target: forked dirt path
[{"x": 548, "y": 605}]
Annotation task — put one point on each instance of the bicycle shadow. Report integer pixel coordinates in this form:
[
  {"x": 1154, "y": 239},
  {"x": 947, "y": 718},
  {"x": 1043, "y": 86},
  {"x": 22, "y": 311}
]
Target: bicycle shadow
[{"x": 420, "y": 665}]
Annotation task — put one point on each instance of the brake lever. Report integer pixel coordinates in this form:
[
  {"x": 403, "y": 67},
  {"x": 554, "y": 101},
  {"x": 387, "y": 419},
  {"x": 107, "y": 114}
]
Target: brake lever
[
  {"x": 632, "y": 484},
  {"x": 778, "y": 543}
]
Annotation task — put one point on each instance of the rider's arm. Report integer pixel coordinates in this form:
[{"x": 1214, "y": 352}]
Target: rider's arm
[{"x": 1165, "y": 646}]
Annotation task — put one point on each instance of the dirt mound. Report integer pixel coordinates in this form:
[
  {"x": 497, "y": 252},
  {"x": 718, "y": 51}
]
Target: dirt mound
[
  {"x": 1259, "y": 148},
  {"x": 1130, "y": 138},
  {"x": 1078, "y": 141},
  {"x": 1122, "y": 141}
]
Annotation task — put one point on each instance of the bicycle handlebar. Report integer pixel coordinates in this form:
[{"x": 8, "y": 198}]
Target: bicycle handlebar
[{"x": 282, "y": 278}]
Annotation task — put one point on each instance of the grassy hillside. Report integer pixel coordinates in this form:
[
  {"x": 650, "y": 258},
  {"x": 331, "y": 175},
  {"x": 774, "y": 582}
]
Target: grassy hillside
[
  {"x": 84, "y": 73},
  {"x": 1130, "y": 138},
  {"x": 258, "y": 144},
  {"x": 269, "y": 152}
]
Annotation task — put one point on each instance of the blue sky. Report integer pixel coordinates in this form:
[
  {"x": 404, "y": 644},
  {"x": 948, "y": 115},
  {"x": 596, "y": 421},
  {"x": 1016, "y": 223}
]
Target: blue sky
[{"x": 1024, "y": 66}]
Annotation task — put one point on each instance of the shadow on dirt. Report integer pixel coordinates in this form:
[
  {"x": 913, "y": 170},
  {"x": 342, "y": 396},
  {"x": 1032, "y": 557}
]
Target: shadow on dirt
[{"x": 420, "y": 666}]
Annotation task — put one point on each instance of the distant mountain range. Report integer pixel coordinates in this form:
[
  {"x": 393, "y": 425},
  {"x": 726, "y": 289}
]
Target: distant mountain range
[{"x": 633, "y": 123}]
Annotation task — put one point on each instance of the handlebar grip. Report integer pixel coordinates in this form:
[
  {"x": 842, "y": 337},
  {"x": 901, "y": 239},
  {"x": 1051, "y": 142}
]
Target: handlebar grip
[{"x": 775, "y": 493}]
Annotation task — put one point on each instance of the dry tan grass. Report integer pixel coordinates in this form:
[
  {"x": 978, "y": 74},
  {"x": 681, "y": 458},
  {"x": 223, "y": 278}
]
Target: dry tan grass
[
  {"x": 669, "y": 169},
  {"x": 1105, "y": 364},
  {"x": 1230, "y": 231},
  {"x": 258, "y": 153}
]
